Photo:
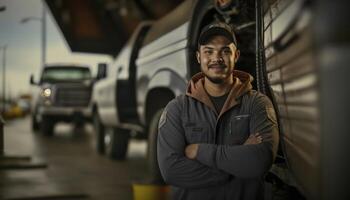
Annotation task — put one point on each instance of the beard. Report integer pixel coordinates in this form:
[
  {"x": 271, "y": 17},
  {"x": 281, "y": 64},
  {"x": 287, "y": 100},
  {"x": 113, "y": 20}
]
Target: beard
[{"x": 216, "y": 80}]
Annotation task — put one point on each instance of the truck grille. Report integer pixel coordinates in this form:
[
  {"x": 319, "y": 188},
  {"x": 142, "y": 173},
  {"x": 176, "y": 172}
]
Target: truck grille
[{"x": 73, "y": 96}]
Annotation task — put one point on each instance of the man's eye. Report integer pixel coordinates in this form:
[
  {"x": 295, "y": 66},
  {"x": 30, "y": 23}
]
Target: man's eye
[
  {"x": 208, "y": 52},
  {"x": 227, "y": 51}
]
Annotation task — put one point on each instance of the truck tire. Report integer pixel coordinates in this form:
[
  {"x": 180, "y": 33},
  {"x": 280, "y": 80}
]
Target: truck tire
[
  {"x": 47, "y": 126},
  {"x": 35, "y": 123},
  {"x": 100, "y": 134},
  {"x": 118, "y": 144},
  {"x": 152, "y": 149}
]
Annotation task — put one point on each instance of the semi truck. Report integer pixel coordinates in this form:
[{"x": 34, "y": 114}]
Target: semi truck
[{"x": 283, "y": 46}]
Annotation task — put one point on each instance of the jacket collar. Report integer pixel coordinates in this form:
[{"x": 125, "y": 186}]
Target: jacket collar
[{"x": 241, "y": 85}]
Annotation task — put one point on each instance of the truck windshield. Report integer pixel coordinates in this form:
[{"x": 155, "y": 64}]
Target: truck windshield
[{"x": 59, "y": 74}]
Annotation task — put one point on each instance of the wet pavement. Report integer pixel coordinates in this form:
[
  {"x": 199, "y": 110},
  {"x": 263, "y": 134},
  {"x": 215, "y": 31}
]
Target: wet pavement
[{"x": 74, "y": 169}]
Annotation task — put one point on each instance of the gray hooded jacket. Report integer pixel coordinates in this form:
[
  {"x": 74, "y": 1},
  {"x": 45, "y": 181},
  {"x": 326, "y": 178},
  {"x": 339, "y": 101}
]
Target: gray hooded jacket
[{"x": 224, "y": 168}]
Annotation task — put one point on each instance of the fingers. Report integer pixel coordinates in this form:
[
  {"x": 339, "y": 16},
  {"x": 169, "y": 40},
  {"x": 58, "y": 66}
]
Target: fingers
[
  {"x": 254, "y": 139},
  {"x": 266, "y": 137},
  {"x": 259, "y": 138}
]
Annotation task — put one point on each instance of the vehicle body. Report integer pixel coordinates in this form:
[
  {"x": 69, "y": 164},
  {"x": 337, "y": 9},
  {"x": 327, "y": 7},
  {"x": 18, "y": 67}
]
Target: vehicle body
[
  {"x": 63, "y": 95},
  {"x": 24, "y": 104},
  {"x": 114, "y": 99},
  {"x": 306, "y": 60},
  {"x": 280, "y": 47}
]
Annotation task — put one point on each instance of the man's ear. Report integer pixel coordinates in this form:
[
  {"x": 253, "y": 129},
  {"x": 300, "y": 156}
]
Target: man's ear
[
  {"x": 198, "y": 57},
  {"x": 237, "y": 54}
]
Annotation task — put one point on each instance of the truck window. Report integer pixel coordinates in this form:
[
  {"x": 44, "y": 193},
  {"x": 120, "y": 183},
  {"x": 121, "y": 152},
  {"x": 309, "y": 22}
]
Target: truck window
[{"x": 58, "y": 74}]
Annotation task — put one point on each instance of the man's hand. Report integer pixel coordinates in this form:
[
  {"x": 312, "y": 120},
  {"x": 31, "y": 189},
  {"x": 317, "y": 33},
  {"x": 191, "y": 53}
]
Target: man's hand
[
  {"x": 191, "y": 151},
  {"x": 253, "y": 139}
]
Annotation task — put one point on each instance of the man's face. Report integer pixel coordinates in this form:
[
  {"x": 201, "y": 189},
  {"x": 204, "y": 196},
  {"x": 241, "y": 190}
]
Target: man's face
[{"x": 217, "y": 59}]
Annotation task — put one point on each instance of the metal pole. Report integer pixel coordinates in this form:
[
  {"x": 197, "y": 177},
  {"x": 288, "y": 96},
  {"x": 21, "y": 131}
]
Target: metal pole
[
  {"x": 3, "y": 78},
  {"x": 2, "y": 8},
  {"x": 43, "y": 35}
]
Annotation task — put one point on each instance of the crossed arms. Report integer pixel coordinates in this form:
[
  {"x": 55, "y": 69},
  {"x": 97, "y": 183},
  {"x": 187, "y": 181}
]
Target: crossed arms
[{"x": 203, "y": 165}]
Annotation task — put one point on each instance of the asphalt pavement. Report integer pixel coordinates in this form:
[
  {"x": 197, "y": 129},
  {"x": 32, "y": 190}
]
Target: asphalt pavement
[{"x": 66, "y": 166}]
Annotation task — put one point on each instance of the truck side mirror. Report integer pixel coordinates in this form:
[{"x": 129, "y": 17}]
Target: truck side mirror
[
  {"x": 32, "y": 82},
  {"x": 101, "y": 71}
]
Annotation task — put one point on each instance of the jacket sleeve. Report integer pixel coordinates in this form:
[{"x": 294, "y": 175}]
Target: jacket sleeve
[
  {"x": 175, "y": 168},
  {"x": 247, "y": 161}
]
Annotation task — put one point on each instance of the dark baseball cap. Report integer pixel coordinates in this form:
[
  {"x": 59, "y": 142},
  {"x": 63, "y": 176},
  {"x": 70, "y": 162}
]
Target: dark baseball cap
[{"x": 216, "y": 28}]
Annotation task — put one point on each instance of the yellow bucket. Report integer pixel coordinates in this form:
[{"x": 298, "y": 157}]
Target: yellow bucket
[{"x": 150, "y": 192}]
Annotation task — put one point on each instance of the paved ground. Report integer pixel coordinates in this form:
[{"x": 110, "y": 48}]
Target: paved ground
[{"x": 74, "y": 167}]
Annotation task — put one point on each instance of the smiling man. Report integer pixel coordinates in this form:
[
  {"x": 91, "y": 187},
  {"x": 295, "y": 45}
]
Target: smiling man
[
  {"x": 219, "y": 140},
  {"x": 217, "y": 53}
]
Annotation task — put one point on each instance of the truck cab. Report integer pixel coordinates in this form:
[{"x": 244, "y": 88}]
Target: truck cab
[{"x": 62, "y": 94}]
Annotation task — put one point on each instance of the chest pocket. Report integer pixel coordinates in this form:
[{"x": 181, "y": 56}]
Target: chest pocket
[
  {"x": 239, "y": 128},
  {"x": 196, "y": 132}
]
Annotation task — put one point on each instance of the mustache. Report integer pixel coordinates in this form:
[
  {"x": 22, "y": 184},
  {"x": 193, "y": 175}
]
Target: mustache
[{"x": 217, "y": 65}]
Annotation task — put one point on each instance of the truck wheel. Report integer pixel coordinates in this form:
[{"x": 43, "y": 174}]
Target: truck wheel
[
  {"x": 100, "y": 134},
  {"x": 117, "y": 146},
  {"x": 35, "y": 123},
  {"x": 47, "y": 126},
  {"x": 152, "y": 149}
]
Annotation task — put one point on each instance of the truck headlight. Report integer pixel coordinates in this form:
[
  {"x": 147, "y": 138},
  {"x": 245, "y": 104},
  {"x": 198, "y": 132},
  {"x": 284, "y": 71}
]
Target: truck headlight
[{"x": 46, "y": 92}]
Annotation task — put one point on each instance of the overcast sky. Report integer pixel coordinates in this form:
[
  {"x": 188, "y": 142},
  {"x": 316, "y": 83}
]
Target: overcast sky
[{"x": 24, "y": 45}]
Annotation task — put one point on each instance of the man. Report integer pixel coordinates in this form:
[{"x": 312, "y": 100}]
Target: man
[{"x": 219, "y": 140}]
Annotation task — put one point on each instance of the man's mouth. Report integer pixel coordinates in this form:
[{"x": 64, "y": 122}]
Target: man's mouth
[{"x": 217, "y": 67}]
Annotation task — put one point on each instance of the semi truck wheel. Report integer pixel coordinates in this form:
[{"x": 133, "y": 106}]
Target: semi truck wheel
[
  {"x": 152, "y": 149},
  {"x": 100, "y": 134},
  {"x": 118, "y": 143},
  {"x": 47, "y": 126}
]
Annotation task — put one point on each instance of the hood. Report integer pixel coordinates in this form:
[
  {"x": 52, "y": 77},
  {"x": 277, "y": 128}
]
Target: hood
[{"x": 241, "y": 85}]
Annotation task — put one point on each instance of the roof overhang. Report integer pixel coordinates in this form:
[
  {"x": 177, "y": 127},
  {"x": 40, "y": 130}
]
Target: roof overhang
[{"x": 103, "y": 26}]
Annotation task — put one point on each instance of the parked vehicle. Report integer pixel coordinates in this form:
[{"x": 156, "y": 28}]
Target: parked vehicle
[
  {"x": 24, "y": 104},
  {"x": 114, "y": 99},
  {"x": 281, "y": 45},
  {"x": 12, "y": 111},
  {"x": 63, "y": 95}
]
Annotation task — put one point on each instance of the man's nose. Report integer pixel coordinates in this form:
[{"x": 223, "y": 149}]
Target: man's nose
[{"x": 217, "y": 57}]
